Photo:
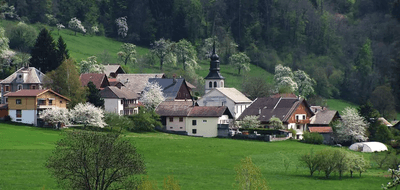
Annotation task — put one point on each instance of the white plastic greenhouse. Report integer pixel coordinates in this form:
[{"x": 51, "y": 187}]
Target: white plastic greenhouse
[{"x": 368, "y": 147}]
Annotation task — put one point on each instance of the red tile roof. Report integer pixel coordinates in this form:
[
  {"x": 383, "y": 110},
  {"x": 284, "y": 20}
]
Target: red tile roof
[
  {"x": 96, "y": 78},
  {"x": 320, "y": 129},
  {"x": 32, "y": 93}
]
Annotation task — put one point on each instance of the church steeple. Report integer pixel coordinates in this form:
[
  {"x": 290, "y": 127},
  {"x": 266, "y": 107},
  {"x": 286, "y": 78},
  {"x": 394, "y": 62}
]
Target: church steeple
[{"x": 214, "y": 78}]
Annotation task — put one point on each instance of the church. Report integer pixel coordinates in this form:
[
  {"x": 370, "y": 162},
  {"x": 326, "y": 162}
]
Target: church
[{"x": 217, "y": 95}]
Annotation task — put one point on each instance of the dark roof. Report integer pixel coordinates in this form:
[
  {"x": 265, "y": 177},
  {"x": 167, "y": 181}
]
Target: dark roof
[
  {"x": 281, "y": 107},
  {"x": 209, "y": 111},
  {"x": 174, "y": 108},
  {"x": 115, "y": 92},
  {"x": 320, "y": 129},
  {"x": 96, "y": 78},
  {"x": 32, "y": 93},
  {"x": 34, "y": 76},
  {"x": 214, "y": 67},
  {"x": 323, "y": 117},
  {"x": 170, "y": 87}
]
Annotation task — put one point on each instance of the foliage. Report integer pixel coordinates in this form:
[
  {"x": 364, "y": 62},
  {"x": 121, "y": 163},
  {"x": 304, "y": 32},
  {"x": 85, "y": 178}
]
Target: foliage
[
  {"x": 90, "y": 65},
  {"x": 76, "y": 25},
  {"x": 88, "y": 114},
  {"x": 304, "y": 82},
  {"x": 65, "y": 81},
  {"x": 171, "y": 184},
  {"x": 368, "y": 111},
  {"x": 380, "y": 158},
  {"x": 62, "y": 51},
  {"x": 383, "y": 100},
  {"x": 382, "y": 134},
  {"x": 128, "y": 53},
  {"x": 250, "y": 121},
  {"x": 94, "y": 96},
  {"x": 240, "y": 61},
  {"x": 248, "y": 176},
  {"x": 313, "y": 138},
  {"x": 328, "y": 162},
  {"x": 256, "y": 86},
  {"x": 92, "y": 160},
  {"x": 352, "y": 128},
  {"x": 152, "y": 95},
  {"x": 119, "y": 122},
  {"x": 275, "y": 123},
  {"x": 145, "y": 120},
  {"x": 284, "y": 79},
  {"x": 60, "y": 27},
  {"x": 147, "y": 184},
  {"x": 163, "y": 49},
  {"x": 186, "y": 54},
  {"x": 44, "y": 53},
  {"x": 22, "y": 37},
  {"x": 357, "y": 163},
  {"x": 395, "y": 181},
  {"x": 56, "y": 115},
  {"x": 311, "y": 160},
  {"x": 122, "y": 26}
]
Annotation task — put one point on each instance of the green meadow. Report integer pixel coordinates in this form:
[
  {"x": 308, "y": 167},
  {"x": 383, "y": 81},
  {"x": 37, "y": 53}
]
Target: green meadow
[{"x": 197, "y": 163}]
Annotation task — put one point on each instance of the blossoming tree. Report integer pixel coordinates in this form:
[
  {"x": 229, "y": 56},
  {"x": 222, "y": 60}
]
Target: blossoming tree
[
  {"x": 122, "y": 26},
  {"x": 152, "y": 95},
  {"x": 352, "y": 128},
  {"x": 76, "y": 25},
  {"x": 90, "y": 65},
  {"x": 298, "y": 82},
  {"x": 88, "y": 114},
  {"x": 56, "y": 115}
]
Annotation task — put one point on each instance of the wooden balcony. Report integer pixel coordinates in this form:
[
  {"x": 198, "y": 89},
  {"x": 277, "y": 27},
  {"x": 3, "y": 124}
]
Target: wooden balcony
[{"x": 302, "y": 121}]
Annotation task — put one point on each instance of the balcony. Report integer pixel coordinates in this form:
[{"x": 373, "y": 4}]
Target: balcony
[
  {"x": 302, "y": 121},
  {"x": 41, "y": 104}
]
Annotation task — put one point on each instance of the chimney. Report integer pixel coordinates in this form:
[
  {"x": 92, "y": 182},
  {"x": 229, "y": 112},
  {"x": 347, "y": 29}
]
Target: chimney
[{"x": 174, "y": 79}]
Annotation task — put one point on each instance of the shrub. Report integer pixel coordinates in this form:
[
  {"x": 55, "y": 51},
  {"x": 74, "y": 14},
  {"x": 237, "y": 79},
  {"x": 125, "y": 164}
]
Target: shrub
[
  {"x": 313, "y": 138},
  {"x": 7, "y": 118}
]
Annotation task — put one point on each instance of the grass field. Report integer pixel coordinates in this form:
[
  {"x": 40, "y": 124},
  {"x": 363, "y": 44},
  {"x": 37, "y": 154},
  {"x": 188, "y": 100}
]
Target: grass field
[
  {"x": 339, "y": 105},
  {"x": 198, "y": 163}
]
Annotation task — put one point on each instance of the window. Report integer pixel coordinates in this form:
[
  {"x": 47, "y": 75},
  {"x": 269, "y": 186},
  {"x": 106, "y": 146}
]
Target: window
[
  {"x": 60, "y": 101},
  {"x": 222, "y": 83},
  {"x": 194, "y": 122},
  {"x": 41, "y": 102},
  {"x": 181, "y": 119},
  {"x": 7, "y": 88},
  {"x": 19, "y": 113},
  {"x": 33, "y": 86},
  {"x": 215, "y": 84},
  {"x": 297, "y": 117},
  {"x": 20, "y": 87},
  {"x": 50, "y": 102},
  {"x": 171, "y": 127},
  {"x": 180, "y": 127},
  {"x": 194, "y": 131},
  {"x": 171, "y": 119},
  {"x": 304, "y": 116},
  {"x": 298, "y": 126},
  {"x": 6, "y": 100},
  {"x": 210, "y": 84},
  {"x": 19, "y": 76},
  {"x": 18, "y": 101},
  {"x": 204, "y": 121}
]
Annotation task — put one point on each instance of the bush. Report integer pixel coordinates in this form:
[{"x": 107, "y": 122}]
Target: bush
[
  {"x": 22, "y": 37},
  {"x": 7, "y": 118},
  {"x": 144, "y": 121},
  {"x": 313, "y": 138}
]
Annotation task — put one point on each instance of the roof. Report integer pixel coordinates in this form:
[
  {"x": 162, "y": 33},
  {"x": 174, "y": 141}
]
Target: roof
[
  {"x": 385, "y": 122},
  {"x": 34, "y": 76},
  {"x": 135, "y": 83},
  {"x": 323, "y": 117},
  {"x": 233, "y": 94},
  {"x": 33, "y": 93},
  {"x": 96, "y": 78},
  {"x": 320, "y": 129},
  {"x": 368, "y": 147},
  {"x": 209, "y": 111},
  {"x": 3, "y": 106},
  {"x": 108, "y": 69},
  {"x": 114, "y": 82},
  {"x": 186, "y": 109},
  {"x": 115, "y": 92},
  {"x": 268, "y": 107},
  {"x": 191, "y": 86},
  {"x": 170, "y": 87}
]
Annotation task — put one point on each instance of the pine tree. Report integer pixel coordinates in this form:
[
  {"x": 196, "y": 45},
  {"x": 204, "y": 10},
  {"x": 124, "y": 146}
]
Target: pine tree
[
  {"x": 44, "y": 53},
  {"x": 62, "y": 51},
  {"x": 94, "y": 96}
]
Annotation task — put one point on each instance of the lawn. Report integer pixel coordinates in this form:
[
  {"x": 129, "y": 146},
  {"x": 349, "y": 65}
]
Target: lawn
[
  {"x": 198, "y": 163},
  {"x": 339, "y": 105}
]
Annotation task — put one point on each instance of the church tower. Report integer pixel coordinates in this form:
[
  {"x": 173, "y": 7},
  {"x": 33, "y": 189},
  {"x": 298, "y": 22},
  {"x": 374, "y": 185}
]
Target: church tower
[{"x": 214, "y": 78}]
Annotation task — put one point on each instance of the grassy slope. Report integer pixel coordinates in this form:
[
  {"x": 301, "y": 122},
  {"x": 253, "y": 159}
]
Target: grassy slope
[
  {"x": 198, "y": 163},
  {"x": 339, "y": 105}
]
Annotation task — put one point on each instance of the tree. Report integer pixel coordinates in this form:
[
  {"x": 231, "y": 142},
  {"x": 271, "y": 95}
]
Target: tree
[
  {"x": 88, "y": 115},
  {"x": 152, "y": 95},
  {"x": 256, "y": 86},
  {"x": 352, "y": 128},
  {"x": 171, "y": 184},
  {"x": 117, "y": 121},
  {"x": 127, "y": 55},
  {"x": 62, "y": 51},
  {"x": 284, "y": 79},
  {"x": 186, "y": 53},
  {"x": 94, "y": 96},
  {"x": 65, "y": 80},
  {"x": 163, "y": 49},
  {"x": 90, "y": 65},
  {"x": 145, "y": 120},
  {"x": 240, "y": 61},
  {"x": 56, "y": 115},
  {"x": 357, "y": 163},
  {"x": 304, "y": 82},
  {"x": 342, "y": 161},
  {"x": 383, "y": 100},
  {"x": 60, "y": 27},
  {"x": 122, "y": 26},
  {"x": 396, "y": 179},
  {"x": 368, "y": 112},
  {"x": 22, "y": 37},
  {"x": 328, "y": 161},
  {"x": 250, "y": 121},
  {"x": 311, "y": 160},
  {"x": 76, "y": 25},
  {"x": 44, "y": 53},
  {"x": 94, "y": 160},
  {"x": 275, "y": 123},
  {"x": 248, "y": 176}
]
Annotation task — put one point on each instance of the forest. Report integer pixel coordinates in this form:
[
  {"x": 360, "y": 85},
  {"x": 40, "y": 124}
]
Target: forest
[{"x": 351, "y": 48}]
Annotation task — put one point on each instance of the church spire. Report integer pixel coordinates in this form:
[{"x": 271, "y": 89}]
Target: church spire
[{"x": 214, "y": 66}]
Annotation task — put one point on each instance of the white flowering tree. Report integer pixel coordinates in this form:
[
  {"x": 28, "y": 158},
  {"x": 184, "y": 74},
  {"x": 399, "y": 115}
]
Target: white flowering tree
[
  {"x": 94, "y": 29},
  {"x": 298, "y": 82},
  {"x": 304, "y": 82},
  {"x": 127, "y": 55},
  {"x": 152, "y": 95},
  {"x": 90, "y": 65},
  {"x": 5, "y": 52},
  {"x": 76, "y": 25},
  {"x": 56, "y": 115},
  {"x": 240, "y": 61},
  {"x": 396, "y": 179},
  {"x": 352, "y": 127},
  {"x": 186, "y": 54},
  {"x": 163, "y": 49},
  {"x": 60, "y": 27},
  {"x": 122, "y": 26},
  {"x": 88, "y": 114},
  {"x": 207, "y": 48},
  {"x": 250, "y": 121}
]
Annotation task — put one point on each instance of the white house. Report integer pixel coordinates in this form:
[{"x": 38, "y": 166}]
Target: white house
[{"x": 120, "y": 101}]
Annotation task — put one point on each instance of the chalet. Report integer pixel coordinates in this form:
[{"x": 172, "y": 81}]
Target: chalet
[
  {"x": 293, "y": 112},
  {"x": 24, "y": 106},
  {"x": 120, "y": 101},
  {"x": 112, "y": 71},
  {"x": 135, "y": 83},
  {"x": 204, "y": 121},
  {"x": 99, "y": 80},
  {"x": 23, "y": 78},
  {"x": 174, "y": 89},
  {"x": 322, "y": 121}
]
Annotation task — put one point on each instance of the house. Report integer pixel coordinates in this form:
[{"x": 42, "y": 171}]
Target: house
[
  {"x": 112, "y": 71},
  {"x": 135, "y": 83},
  {"x": 294, "y": 113},
  {"x": 120, "y": 101},
  {"x": 322, "y": 121},
  {"x": 383, "y": 121},
  {"x": 236, "y": 101},
  {"x": 23, "y": 78},
  {"x": 204, "y": 121},
  {"x": 24, "y": 106},
  {"x": 217, "y": 95},
  {"x": 99, "y": 80},
  {"x": 174, "y": 89},
  {"x": 115, "y": 82}
]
